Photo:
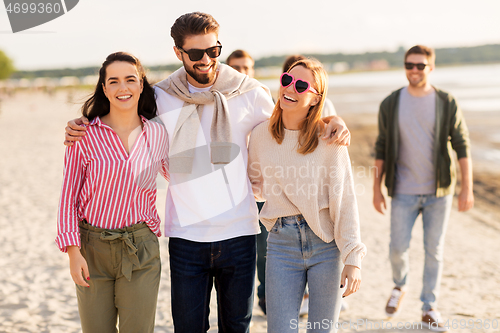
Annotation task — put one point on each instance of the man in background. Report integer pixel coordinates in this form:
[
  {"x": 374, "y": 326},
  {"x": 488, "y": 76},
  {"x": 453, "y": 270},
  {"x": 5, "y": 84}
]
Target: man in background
[
  {"x": 418, "y": 126},
  {"x": 244, "y": 63}
]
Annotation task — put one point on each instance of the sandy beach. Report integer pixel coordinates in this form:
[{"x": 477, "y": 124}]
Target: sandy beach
[{"x": 37, "y": 294}]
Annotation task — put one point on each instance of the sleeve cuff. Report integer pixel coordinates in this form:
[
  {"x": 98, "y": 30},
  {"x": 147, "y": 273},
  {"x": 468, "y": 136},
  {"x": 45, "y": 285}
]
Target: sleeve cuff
[
  {"x": 353, "y": 259},
  {"x": 68, "y": 239},
  {"x": 463, "y": 152},
  {"x": 379, "y": 155}
]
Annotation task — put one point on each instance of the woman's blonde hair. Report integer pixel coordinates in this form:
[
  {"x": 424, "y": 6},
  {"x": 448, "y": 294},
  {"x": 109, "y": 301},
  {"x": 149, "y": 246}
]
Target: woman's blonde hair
[{"x": 312, "y": 125}]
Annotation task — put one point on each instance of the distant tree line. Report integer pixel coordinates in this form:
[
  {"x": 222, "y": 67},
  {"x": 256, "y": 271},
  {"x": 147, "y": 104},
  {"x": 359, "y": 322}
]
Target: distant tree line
[
  {"x": 444, "y": 56},
  {"x": 6, "y": 66},
  {"x": 78, "y": 72}
]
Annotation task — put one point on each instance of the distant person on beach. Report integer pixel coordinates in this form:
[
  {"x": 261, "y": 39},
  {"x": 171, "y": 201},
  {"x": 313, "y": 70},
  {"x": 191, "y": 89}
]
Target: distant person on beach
[
  {"x": 244, "y": 63},
  {"x": 418, "y": 126},
  {"x": 209, "y": 109},
  {"x": 107, "y": 221},
  {"x": 311, "y": 211}
]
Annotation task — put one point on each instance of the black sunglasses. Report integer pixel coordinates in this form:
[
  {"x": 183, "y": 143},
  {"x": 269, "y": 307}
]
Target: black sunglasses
[
  {"x": 420, "y": 67},
  {"x": 197, "y": 54}
]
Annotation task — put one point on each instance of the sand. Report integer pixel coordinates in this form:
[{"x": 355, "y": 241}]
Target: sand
[{"x": 38, "y": 295}]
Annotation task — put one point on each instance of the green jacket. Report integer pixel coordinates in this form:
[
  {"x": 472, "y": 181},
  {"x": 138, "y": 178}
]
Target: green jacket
[{"x": 450, "y": 132}]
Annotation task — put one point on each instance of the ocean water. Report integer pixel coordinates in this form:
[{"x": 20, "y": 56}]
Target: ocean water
[{"x": 476, "y": 87}]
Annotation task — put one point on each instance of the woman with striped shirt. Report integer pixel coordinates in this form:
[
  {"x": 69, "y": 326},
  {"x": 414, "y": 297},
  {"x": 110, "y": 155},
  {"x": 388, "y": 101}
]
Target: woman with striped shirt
[{"x": 107, "y": 221}]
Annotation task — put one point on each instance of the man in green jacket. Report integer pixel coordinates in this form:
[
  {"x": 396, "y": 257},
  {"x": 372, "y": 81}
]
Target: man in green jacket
[{"x": 419, "y": 125}]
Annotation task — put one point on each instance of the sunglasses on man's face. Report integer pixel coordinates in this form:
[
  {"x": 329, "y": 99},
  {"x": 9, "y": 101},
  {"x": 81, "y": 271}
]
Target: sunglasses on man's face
[
  {"x": 197, "y": 54},
  {"x": 300, "y": 86},
  {"x": 410, "y": 65}
]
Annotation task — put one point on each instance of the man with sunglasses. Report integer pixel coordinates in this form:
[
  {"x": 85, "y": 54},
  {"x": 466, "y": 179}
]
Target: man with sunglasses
[
  {"x": 418, "y": 126},
  {"x": 243, "y": 62},
  {"x": 211, "y": 216}
]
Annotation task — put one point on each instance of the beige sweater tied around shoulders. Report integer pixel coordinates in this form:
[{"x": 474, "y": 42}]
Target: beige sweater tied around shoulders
[{"x": 228, "y": 84}]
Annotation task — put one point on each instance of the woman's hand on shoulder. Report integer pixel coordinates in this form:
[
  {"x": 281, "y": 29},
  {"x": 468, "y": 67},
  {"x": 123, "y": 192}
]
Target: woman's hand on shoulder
[
  {"x": 77, "y": 266},
  {"x": 353, "y": 276}
]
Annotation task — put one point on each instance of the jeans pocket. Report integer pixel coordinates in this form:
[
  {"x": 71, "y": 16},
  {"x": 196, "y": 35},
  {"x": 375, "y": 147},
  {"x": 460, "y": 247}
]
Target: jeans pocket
[{"x": 275, "y": 228}]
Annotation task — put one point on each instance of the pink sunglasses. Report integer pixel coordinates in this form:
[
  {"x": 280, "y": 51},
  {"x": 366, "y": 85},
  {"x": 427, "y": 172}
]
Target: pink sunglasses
[{"x": 300, "y": 86}]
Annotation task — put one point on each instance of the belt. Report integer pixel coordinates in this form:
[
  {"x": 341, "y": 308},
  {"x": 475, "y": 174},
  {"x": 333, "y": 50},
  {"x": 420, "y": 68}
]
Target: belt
[
  {"x": 129, "y": 250},
  {"x": 126, "y": 235}
]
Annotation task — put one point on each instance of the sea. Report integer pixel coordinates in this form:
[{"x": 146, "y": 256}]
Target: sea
[{"x": 475, "y": 87}]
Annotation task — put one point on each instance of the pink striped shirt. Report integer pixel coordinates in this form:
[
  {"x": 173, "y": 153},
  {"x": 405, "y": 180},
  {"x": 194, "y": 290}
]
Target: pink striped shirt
[{"x": 108, "y": 187}]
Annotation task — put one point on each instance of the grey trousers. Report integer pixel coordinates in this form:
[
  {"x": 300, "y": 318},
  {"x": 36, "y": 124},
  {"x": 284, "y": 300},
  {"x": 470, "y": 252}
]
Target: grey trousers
[{"x": 124, "y": 266}]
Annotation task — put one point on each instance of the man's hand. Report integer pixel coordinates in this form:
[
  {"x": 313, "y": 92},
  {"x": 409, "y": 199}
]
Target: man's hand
[
  {"x": 465, "y": 200},
  {"x": 466, "y": 196},
  {"x": 77, "y": 266},
  {"x": 353, "y": 276},
  {"x": 378, "y": 197},
  {"x": 379, "y": 201},
  {"x": 75, "y": 132},
  {"x": 336, "y": 131}
]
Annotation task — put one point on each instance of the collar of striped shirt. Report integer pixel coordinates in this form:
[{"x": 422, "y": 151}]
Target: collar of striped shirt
[{"x": 97, "y": 121}]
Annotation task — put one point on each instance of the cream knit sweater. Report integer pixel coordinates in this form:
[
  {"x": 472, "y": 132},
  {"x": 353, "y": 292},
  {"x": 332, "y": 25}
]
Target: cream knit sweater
[{"x": 318, "y": 185}]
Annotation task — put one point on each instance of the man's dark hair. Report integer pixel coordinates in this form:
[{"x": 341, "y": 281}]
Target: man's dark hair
[
  {"x": 237, "y": 54},
  {"x": 421, "y": 49},
  {"x": 190, "y": 24}
]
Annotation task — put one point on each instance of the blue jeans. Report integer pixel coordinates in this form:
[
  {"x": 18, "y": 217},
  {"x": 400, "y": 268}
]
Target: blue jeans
[
  {"x": 196, "y": 266},
  {"x": 435, "y": 215},
  {"x": 296, "y": 256}
]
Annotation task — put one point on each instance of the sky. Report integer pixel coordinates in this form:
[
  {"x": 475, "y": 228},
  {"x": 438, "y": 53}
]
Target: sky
[{"x": 85, "y": 35}]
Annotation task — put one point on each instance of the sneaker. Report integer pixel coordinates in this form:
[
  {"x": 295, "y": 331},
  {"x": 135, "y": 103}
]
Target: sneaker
[
  {"x": 304, "y": 309},
  {"x": 262, "y": 304},
  {"x": 432, "y": 320},
  {"x": 394, "y": 302}
]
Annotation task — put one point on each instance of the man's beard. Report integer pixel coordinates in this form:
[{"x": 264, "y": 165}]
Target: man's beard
[
  {"x": 202, "y": 78},
  {"x": 417, "y": 83}
]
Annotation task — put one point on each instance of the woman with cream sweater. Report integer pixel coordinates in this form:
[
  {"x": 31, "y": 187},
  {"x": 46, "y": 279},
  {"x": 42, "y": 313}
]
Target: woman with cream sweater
[{"x": 310, "y": 211}]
